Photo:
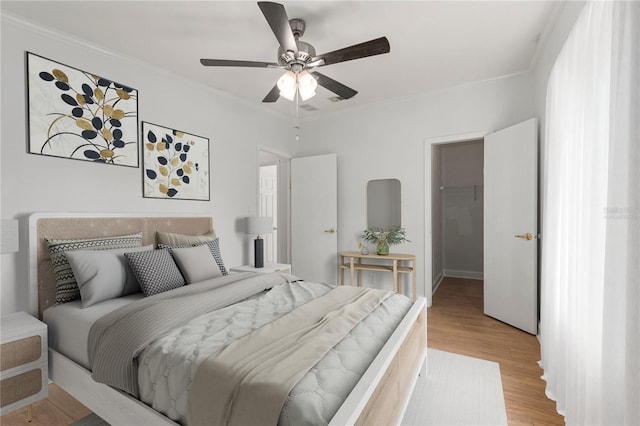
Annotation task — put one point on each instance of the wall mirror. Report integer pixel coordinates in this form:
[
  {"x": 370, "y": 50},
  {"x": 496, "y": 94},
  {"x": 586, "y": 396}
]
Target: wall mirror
[{"x": 383, "y": 203}]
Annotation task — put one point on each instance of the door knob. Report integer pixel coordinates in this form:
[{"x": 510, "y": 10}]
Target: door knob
[
  {"x": 526, "y": 236},
  {"x": 330, "y": 231}
]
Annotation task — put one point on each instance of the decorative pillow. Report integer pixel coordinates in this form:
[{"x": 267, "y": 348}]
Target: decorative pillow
[
  {"x": 155, "y": 271},
  {"x": 196, "y": 263},
  {"x": 214, "y": 246},
  {"x": 66, "y": 286},
  {"x": 172, "y": 239},
  {"x": 103, "y": 274}
]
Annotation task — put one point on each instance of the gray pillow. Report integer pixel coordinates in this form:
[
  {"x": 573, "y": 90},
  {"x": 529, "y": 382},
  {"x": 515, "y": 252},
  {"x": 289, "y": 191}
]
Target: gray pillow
[
  {"x": 155, "y": 271},
  {"x": 66, "y": 286},
  {"x": 103, "y": 274},
  {"x": 196, "y": 263},
  {"x": 173, "y": 239},
  {"x": 214, "y": 246}
]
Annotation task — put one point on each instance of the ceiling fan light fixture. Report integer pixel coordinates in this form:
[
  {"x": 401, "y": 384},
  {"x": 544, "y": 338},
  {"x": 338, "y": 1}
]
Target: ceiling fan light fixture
[
  {"x": 306, "y": 95},
  {"x": 288, "y": 95},
  {"x": 306, "y": 85},
  {"x": 287, "y": 85}
]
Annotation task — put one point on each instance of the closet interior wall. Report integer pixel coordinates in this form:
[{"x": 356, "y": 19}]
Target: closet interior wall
[{"x": 457, "y": 214}]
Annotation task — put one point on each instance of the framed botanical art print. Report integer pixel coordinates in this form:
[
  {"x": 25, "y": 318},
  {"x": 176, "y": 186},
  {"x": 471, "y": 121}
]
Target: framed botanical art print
[
  {"x": 176, "y": 164},
  {"x": 80, "y": 115}
]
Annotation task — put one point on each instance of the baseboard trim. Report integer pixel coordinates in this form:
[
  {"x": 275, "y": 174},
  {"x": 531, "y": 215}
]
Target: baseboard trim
[
  {"x": 436, "y": 283},
  {"x": 463, "y": 274}
]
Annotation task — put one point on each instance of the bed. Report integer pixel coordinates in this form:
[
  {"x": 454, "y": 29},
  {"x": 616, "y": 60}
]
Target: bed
[{"x": 378, "y": 395}]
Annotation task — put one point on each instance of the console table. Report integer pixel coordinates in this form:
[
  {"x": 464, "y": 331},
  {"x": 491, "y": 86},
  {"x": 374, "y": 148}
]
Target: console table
[{"x": 400, "y": 264}]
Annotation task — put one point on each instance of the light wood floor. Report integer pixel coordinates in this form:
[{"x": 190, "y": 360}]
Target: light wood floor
[
  {"x": 456, "y": 323},
  {"x": 57, "y": 410}
]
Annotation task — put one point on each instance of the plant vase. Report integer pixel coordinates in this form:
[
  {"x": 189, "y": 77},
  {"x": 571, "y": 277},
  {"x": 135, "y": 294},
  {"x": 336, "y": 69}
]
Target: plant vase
[
  {"x": 382, "y": 248},
  {"x": 383, "y": 238}
]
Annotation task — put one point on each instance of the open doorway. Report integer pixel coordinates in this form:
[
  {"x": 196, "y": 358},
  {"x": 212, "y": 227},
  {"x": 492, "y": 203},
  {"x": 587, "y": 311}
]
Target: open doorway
[
  {"x": 510, "y": 225},
  {"x": 457, "y": 206},
  {"x": 274, "y": 201}
]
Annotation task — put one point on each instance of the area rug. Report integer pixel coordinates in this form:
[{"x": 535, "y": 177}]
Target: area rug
[{"x": 458, "y": 390}]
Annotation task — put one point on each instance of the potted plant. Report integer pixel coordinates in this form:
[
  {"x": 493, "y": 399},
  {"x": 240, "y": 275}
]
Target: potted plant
[{"x": 383, "y": 238}]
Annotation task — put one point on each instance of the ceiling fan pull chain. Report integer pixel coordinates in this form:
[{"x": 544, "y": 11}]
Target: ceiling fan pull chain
[{"x": 297, "y": 117}]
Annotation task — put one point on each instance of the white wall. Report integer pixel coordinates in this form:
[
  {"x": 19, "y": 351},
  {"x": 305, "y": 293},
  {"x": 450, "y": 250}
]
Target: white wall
[
  {"x": 388, "y": 141},
  {"x": 380, "y": 141},
  {"x": 32, "y": 183}
]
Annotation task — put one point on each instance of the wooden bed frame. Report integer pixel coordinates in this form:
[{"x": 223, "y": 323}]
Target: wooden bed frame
[{"x": 380, "y": 397}]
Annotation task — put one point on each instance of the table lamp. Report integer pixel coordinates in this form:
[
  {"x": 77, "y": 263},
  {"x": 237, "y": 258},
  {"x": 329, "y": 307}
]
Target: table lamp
[{"x": 258, "y": 226}]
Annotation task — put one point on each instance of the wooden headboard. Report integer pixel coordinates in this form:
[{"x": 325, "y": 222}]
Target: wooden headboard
[{"x": 86, "y": 225}]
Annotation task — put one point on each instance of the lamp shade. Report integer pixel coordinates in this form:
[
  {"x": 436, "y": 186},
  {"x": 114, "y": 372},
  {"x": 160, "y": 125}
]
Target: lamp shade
[{"x": 259, "y": 225}]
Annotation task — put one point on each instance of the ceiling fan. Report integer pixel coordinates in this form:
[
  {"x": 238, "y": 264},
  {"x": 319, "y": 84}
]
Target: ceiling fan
[{"x": 298, "y": 57}]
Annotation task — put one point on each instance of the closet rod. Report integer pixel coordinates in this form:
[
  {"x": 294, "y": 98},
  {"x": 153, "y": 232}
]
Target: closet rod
[{"x": 459, "y": 187}]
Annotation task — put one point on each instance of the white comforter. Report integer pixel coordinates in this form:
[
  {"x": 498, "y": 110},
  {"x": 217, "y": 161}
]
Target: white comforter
[{"x": 167, "y": 366}]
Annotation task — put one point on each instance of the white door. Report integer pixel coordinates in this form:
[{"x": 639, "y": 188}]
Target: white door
[
  {"x": 314, "y": 218},
  {"x": 269, "y": 208},
  {"x": 511, "y": 225}
]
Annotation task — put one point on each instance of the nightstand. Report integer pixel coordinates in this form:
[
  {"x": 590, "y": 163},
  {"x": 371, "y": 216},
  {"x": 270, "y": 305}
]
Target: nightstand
[
  {"x": 268, "y": 267},
  {"x": 23, "y": 362}
]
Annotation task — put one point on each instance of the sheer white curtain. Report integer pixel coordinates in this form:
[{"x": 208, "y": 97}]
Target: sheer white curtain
[{"x": 590, "y": 294}]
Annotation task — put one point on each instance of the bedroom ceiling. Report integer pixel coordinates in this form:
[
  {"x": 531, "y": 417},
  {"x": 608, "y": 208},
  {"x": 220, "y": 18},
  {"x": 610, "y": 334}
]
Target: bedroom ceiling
[{"x": 434, "y": 44}]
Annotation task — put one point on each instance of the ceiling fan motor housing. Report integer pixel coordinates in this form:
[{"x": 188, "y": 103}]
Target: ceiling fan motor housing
[
  {"x": 305, "y": 50},
  {"x": 297, "y": 27},
  {"x": 302, "y": 56}
]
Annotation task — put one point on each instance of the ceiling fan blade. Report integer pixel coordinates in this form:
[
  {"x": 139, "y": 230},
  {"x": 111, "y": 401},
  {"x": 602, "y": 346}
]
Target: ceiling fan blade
[
  {"x": 377, "y": 46},
  {"x": 277, "y": 18},
  {"x": 273, "y": 95},
  {"x": 232, "y": 63},
  {"x": 336, "y": 87}
]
